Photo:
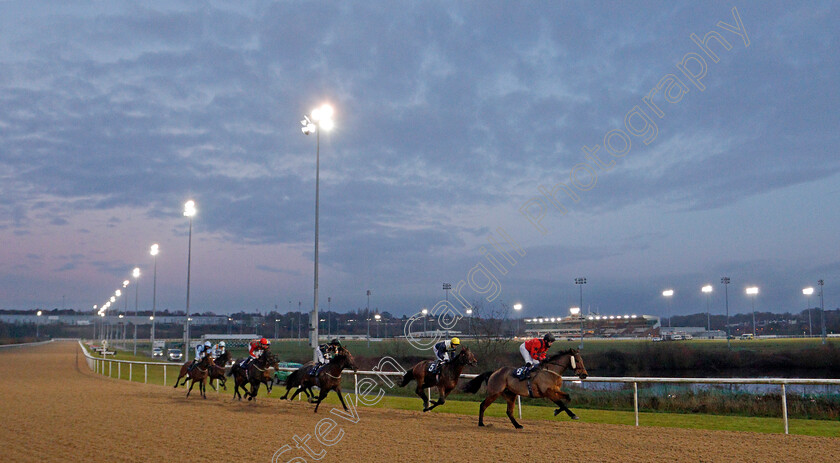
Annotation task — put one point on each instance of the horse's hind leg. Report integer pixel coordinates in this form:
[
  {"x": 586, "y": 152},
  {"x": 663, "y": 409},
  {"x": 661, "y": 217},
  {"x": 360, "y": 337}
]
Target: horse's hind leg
[
  {"x": 511, "y": 398},
  {"x": 484, "y": 404},
  {"x": 192, "y": 383},
  {"x": 422, "y": 393}
]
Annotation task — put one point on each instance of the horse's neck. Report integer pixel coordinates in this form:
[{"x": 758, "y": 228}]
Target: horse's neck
[{"x": 560, "y": 365}]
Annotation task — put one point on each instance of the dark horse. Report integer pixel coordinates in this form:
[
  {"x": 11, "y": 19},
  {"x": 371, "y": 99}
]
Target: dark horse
[
  {"x": 545, "y": 381},
  {"x": 295, "y": 379},
  {"x": 217, "y": 370},
  {"x": 329, "y": 378},
  {"x": 258, "y": 372},
  {"x": 445, "y": 381},
  {"x": 199, "y": 374}
]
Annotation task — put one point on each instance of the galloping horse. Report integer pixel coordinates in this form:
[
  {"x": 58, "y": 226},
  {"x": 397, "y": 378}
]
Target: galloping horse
[
  {"x": 257, "y": 373},
  {"x": 329, "y": 378},
  {"x": 295, "y": 379},
  {"x": 198, "y": 374},
  {"x": 545, "y": 382},
  {"x": 445, "y": 381},
  {"x": 217, "y": 370}
]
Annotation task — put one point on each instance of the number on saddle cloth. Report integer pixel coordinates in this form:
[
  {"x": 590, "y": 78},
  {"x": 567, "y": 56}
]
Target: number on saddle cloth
[
  {"x": 316, "y": 369},
  {"x": 433, "y": 367},
  {"x": 521, "y": 373}
]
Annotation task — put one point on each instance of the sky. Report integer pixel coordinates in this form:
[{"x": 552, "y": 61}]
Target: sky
[{"x": 511, "y": 146}]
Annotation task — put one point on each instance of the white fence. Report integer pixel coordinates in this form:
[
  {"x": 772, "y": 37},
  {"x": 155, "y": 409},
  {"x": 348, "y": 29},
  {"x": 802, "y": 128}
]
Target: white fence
[{"x": 98, "y": 365}]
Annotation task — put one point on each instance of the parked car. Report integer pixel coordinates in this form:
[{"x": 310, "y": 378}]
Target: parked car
[
  {"x": 175, "y": 355},
  {"x": 157, "y": 352},
  {"x": 280, "y": 375}
]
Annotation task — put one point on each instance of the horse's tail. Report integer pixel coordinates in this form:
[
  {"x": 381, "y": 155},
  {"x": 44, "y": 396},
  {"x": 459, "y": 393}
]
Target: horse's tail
[
  {"x": 230, "y": 372},
  {"x": 475, "y": 384},
  {"x": 407, "y": 378}
]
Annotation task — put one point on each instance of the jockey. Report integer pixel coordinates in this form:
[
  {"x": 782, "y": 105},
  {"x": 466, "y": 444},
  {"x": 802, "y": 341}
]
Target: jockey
[
  {"x": 201, "y": 351},
  {"x": 219, "y": 349},
  {"x": 533, "y": 351},
  {"x": 255, "y": 349},
  {"x": 444, "y": 350},
  {"x": 325, "y": 353}
]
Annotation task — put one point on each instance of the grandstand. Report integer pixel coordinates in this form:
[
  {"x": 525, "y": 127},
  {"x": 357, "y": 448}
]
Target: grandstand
[{"x": 595, "y": 325}]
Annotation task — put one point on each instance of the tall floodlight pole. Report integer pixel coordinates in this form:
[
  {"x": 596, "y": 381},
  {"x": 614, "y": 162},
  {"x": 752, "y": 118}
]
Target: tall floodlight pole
[
  {"x": 580, "y": 281},
  {"x": 329, "y": 311},
  {"x": 725, "y": 281},
  {"x": 469, "y": 321},
  {"x": 125, "y": 312},
  {"x": 446, "y": 288},
  {"x": 808, "y": 292},
  {"x": 669, "y": 293},
  {"x": 189, "y": 212},
  {"x": 822, "y": 309},
  {"x": 753, "y": 291},
  {"x": 424, "y": 312},
  {"x": 38, "y": 325},
  {"x": 367, "y": 314},
  {"x": 154, "y": 252},
  {"x": 708, "y": 290},
  {"x": 136, "y": 275},
  {"x": 319, "y": 119},
  {"x": 517, "y": 307},
  {"x": 300, "y": 312}
]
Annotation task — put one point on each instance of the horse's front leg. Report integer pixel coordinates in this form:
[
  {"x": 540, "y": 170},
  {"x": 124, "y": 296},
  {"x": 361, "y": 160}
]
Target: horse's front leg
[
  {"x": 338, "y": 391},
  {"x": 560, "y": 401}
]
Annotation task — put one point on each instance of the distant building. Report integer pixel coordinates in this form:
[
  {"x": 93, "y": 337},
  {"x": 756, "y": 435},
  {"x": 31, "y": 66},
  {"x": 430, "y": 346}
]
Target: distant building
[{"x": 595, "y": 325}]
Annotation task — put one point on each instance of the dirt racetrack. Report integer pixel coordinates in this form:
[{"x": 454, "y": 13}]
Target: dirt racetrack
[{"x": 60, "y": 411}]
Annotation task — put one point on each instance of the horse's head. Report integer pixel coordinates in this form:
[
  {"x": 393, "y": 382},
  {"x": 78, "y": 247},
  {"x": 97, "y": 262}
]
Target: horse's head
[
  {"x": 347, "y": 357},
  {"x": 466, "y": 357},
  {"x": 576, "y": 363}
]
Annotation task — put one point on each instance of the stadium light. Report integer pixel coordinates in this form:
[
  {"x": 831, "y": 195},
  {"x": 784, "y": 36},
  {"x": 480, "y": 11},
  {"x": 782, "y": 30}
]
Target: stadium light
[
  {"x": 753, "y": 291},
  {"x": 668, "y": 293},
  {"x": 808, "y": 292},
  {"x": 319, "y": 119}
]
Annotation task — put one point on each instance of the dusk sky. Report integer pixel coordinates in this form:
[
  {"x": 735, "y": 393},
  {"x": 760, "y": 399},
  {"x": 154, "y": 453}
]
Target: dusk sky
[{"x": 458, "y": 125}]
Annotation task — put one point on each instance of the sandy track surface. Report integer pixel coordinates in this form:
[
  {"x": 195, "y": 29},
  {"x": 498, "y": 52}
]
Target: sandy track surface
[{"x": 60, "y": 411}]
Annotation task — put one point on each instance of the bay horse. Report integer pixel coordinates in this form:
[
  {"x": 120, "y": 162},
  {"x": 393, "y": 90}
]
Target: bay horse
[
  {"x": 217, "y": 370},
  {"x": 258, "y": 372},
  {"x": 545, "y": 381},
  {"x": 329, "y": 378},
  {"x": 295, "y": 379},
  {"x": 199, "y": 374},
  {"x": 445, "y": 381}
]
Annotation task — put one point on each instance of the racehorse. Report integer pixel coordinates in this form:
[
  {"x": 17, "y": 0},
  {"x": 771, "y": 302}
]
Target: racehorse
[
  {"x": 445, "y": 381},
  {"x": 258, "y": 372},
  {"x": 329, "y": 378},
  {"x": 545, "y": 381},
  {"x": 217, "y": 370},
  {"x": 296, "y": 377},
  {"x": 198, "y": 374}
]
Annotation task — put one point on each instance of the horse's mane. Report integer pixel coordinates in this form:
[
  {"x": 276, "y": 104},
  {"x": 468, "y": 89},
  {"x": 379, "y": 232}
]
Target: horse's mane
[{"x": 561, "y": 354}]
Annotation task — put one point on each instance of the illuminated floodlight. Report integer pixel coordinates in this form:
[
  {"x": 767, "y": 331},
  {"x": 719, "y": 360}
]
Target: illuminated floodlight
[
  {"x": 707, "y": 289},
  {"x": 136, "y": 272},
  {"x": 517, "y": 306},
  {"x": 189, "y": 208},
  {"x": 668, "y": 292},
  {"x": 574, "y": 310},
  {"x": 155, "y": 249},
  {"x": 752, "y": 290},
  {"x": 808, "y": 291}
]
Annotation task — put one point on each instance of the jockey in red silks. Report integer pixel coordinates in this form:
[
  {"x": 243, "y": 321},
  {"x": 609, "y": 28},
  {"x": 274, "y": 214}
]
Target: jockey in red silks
[
  {"x": 534, "y": 350},
  {"x": 255, "y": 349}
]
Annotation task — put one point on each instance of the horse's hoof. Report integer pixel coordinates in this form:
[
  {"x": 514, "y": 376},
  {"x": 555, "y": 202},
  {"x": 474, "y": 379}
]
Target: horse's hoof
[
  {"x": 481, "y": 425},
  {"x": 575, "y": 417},
  {"x": 518, "y": 426},
  {"x": 426, "y": 409},
  {"x": 557, "y": 412}
]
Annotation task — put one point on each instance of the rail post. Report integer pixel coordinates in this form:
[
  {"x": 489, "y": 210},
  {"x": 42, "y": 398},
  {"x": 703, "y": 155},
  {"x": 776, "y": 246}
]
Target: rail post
[
  {"x": 356, "y": 389},
  {"x": 109, "y": 368},
  {"x": 164, "y": 375},
  {"x": 119, "y": 370},
  {"x": 784, "y": 407},
  {"x": 519, "y": 404},
  {"x": 130, "y": 371},
  {"x": 636, "y": 401},
  {"x": 145, "y": 373}
]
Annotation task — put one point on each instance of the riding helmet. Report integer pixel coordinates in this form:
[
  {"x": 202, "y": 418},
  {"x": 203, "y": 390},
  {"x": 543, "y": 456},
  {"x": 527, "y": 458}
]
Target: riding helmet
[
  {"x": 335, "y": 342},
  {"x": 455, "y": 342},
  {"x": 549, "y": 337}
]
